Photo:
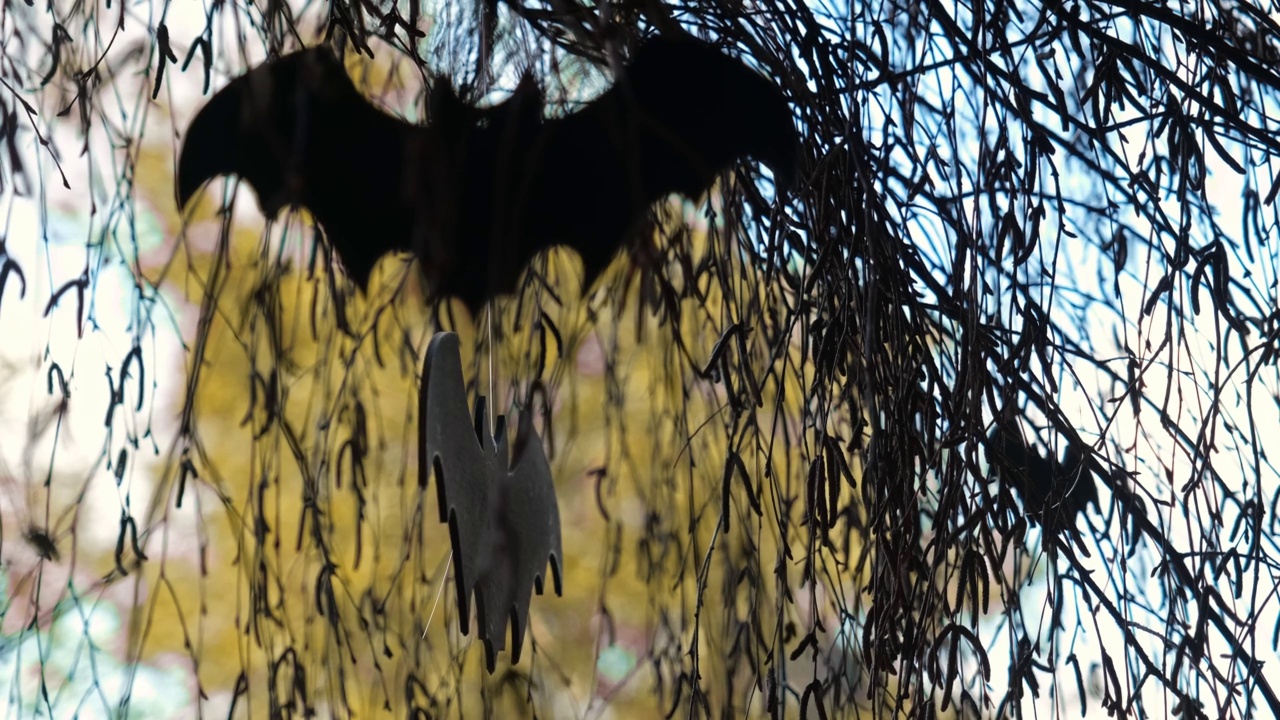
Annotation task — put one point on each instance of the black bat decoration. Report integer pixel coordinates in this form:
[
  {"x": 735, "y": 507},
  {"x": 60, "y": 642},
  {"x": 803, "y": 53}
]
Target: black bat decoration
[
  {"x": 504, "y": 523},
  {"x": 476, "y": 193},
  {"x": 1053, "y": 494}
]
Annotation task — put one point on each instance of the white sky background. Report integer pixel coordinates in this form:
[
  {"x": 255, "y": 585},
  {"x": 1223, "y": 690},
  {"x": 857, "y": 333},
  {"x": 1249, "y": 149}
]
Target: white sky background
[
  {"x": 47, "y": 234},
  {"x": 1196, "y": 353}
]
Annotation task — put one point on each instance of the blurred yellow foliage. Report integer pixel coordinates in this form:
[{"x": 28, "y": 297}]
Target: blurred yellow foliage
[{"x": 632, "y": 435}]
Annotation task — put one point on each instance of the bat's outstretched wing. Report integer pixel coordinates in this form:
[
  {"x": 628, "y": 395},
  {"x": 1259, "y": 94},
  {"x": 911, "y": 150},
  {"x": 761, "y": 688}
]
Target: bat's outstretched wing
[
  {"x": 300, "y": 133},
  {"x": 461, "y": 452},
  {"x": 681, "y": 112},
  {"x": 527, "y": 540}
]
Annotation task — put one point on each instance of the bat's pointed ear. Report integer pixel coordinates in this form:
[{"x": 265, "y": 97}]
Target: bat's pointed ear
[{"x": 211, "y": 146}]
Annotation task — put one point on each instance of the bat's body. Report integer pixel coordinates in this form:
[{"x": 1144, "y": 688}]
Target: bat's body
[{"x": 476, "y": 193}]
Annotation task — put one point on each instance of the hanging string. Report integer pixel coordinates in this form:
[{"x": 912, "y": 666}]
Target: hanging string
[{"x": 493, "y": 401}]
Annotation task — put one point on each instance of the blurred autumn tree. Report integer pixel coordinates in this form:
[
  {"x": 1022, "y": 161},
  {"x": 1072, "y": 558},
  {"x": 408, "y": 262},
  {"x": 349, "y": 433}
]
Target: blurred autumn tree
[{"x": 769, "y": 429}]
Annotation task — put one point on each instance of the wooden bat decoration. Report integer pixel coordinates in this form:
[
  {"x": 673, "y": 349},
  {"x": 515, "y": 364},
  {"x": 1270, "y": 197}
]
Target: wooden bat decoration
[
  {"x": 504, "y": 523},
  {"x": 476, "y": 193}
]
